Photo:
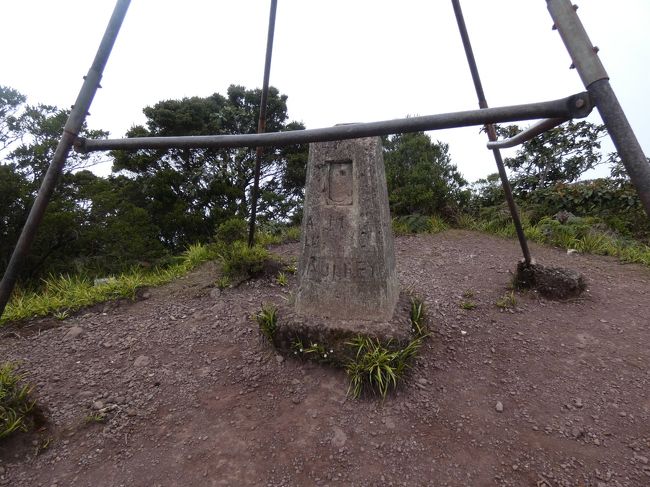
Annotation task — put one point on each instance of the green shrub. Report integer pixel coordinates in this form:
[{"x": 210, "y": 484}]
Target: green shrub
[
  {"x": 232, "y": 230},
  {"x": 376, "y": 368},
  {"x": 16, "y": 406},
  {"x": 409, "y": 224},
  {"x": 241, "y": 261},
  {"x": 267, "y": 319},
  {"x": 277, "y": 233},
  {"x": 65, "y": 294}
]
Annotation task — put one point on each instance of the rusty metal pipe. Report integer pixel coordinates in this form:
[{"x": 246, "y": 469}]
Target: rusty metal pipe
[
  {"x": 70, "y": 132},
  {"x": 492, "y": 136},
  {"x": 526, "y": 135},
  {"x": 261, "y": 123},
  {"x": 564, "y": 107}
]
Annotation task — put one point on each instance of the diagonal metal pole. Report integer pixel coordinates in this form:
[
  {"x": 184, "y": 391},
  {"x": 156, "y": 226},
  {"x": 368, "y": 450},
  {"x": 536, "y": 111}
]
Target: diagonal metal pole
[
  {"x": 261, "y": 123},
  {"x": 492, "y": 135},
  {"x": 592, "y": 72},
  {"x": 70, "y": 132}
]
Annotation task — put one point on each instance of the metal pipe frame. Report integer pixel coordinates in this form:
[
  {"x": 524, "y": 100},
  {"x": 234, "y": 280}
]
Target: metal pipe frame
[
  {"x": 586, "y": 61},
  {"x": 70, "y": 133},
  {"x": 261, "y": 123},
  {"x": 575, "y": 106},
  {"x": 491, "y": 131},
  {"x": 524, "y": 136}
]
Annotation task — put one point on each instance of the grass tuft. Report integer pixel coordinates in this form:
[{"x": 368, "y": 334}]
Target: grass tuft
[
  {"x": 16, "y": 405},
  {"x": 377, "y": 369},
  {"x": 267, "y": 319},
  {"x": 507, "y": 301},
  {"x": 468, "y": 305},
  {"x": 63, "y": 295},
  {"x": 241, "y": 261},
  {"x": 282, "y": 279},
  {"x": 418, "y": 318}
]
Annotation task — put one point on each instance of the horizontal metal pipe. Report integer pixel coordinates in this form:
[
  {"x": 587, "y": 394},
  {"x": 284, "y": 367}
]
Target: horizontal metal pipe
[
  {"x": 524, "y": 136},
  {"x": 575, "y": 106}
]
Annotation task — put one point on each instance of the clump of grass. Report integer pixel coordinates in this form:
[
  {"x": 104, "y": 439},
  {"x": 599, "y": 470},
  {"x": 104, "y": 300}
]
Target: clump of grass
[
  {"x": 241, "y": 261},
  {"x": 96, "y": 418},
  {"x": 291, "y": 268},
  {"x": 507, "y": 301},
  {"x": 418, "y": 318},
  {"x": 16, "y": 405},
  {"x": 267, "y": 319},
  {"x": 468, "y": 305},
  {"x": 277, "y": 234},
  {"x": 466, "y": 222},
  {"x": 468, "y": 294},
  {"x": 223, "y": 282},
  {"x": 410, "y": 224},
  {"x": 66, "y": 294},
  {"x": 282, "y": 279},
  {"x": 292, "y": 234},
  {"x": 376, "y": 368},
  {"x": 587, "y": 235}
]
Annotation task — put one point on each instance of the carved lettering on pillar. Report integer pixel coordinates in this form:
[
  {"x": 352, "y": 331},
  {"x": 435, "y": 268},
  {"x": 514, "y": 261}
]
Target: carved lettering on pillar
[{"x": 340, "y": 269}]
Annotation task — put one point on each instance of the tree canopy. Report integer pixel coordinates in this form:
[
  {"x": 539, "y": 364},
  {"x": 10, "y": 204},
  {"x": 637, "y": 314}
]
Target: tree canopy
[
  {"x": 189, "y": 192},
  {"x": 420, "y": 176}
]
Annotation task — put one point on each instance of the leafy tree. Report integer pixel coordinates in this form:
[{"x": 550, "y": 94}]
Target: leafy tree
[
  {"x": 189, "y": 192},
  {"x": 10, "y": 103},
  {"x": 561, "y": 154},
  {"x": 92, "y": 224},
  {"x": 420, "y": 176}
]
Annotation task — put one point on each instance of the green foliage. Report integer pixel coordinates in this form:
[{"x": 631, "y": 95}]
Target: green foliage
[
  {"x": 157, "y": 202},
  {"x": 313, "y": 351},
  {"x": 277, "y": 233},
  {"x": 16, "y": 405},
  {"x": 561, "y": 154},
  {"x": 96, "y": 418},
  {"x": 468, "y": 305},
  {"x": 282, "y": 279},
  {"x": 410, "y": 224},
  {"x": 190, "y": 192},
  {"x": 223, "y": 282},
  {"x": 507, "y": 301},
  {"x": 590, "y": 235},
  {"x": 376, "y": 368},
  {"x": 243, "y": 262},
  {"x": 615, "y": 201},
  {"x": 421, "y": 178},
  {"x": 232, "y": 230},
  {"x": 418, "y": 318},
  {"x": 68, "y": 293},
  {"x": 267, "y": 319}
]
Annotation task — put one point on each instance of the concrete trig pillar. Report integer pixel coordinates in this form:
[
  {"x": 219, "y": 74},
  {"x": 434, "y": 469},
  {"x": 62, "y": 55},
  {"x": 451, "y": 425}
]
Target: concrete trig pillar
[{"x": 347, "y": 259}]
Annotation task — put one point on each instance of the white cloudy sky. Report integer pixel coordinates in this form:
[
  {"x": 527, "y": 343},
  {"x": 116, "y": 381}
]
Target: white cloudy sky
[{"x": 338, "y": 61}]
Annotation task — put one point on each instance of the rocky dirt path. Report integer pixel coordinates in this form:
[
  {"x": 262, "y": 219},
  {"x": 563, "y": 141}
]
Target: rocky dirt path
[{"x": 546, "y": 394}]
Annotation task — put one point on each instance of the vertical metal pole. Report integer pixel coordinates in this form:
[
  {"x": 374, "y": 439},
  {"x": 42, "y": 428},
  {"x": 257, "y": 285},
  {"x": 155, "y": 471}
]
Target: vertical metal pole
[
  {"x": 492, "y": 135},
  {"x": 261, "y": 123},
  {"x": 70, "y": 131},
  {"x": 586, "y": 61}
]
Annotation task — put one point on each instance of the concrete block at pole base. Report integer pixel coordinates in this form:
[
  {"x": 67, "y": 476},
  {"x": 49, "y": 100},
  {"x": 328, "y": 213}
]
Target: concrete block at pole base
[
  {"x": 347, "y": 259},
  {"x": 550, "y": 282}
]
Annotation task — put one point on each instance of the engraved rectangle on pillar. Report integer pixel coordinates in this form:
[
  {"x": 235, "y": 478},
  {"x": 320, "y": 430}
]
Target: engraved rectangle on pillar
[{"x": 339, "y": 183}]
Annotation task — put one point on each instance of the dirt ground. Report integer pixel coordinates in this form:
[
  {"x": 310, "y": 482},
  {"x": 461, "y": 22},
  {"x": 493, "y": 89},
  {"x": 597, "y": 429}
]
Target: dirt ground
[{"x": 193, "y": 397}]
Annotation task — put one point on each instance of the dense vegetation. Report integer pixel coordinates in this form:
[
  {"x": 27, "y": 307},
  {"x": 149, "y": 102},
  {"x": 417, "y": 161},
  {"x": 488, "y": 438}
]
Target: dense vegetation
[{"x": 156, "y": 204}]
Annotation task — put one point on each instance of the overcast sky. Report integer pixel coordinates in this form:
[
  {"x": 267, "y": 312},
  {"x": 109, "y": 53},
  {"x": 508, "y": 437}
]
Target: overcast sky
[{"x": 338, "y": 61}]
